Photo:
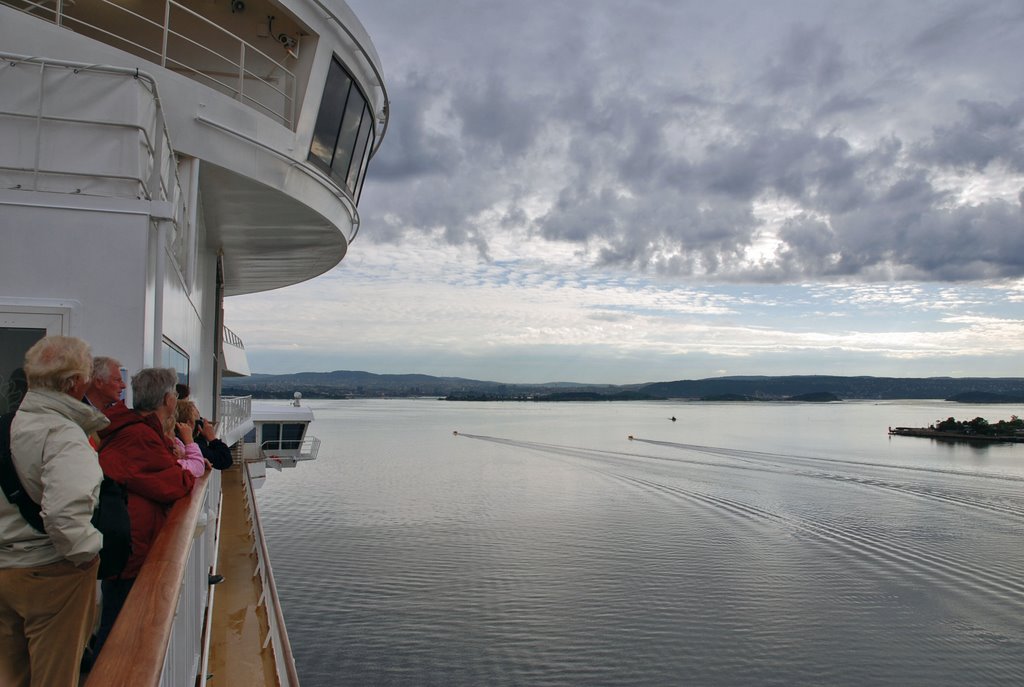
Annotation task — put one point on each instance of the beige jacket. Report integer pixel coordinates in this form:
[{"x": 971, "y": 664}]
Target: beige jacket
[{"x": 60, "y": 471}]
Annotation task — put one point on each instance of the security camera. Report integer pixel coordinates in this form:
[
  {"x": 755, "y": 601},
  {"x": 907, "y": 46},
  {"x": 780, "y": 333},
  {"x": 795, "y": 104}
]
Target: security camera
[
  {"x": 286, "y": 40},
  {"x": 237, "y": 6}
]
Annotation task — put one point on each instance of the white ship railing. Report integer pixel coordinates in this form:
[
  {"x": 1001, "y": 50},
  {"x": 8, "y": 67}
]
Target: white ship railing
[
  {"x": 234, "y": 418},
  {"x": 52, "y": 95},
  {"x": 233, "y": 361},
  {"x": 92, "y": 130},
  {"x": 277, "y": 633},
  {"x": 306, "y": 449},
  {"x": 233, "y": 339},
  {"x": 181, "y": 39}
]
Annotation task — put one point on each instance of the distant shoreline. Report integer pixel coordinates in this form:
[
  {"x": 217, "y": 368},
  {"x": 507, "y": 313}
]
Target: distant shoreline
[{"x": 353, "y": 384}]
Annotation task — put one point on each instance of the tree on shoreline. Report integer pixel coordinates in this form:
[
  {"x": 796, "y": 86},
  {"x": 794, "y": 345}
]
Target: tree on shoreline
[{"x": 981, "y": 426}]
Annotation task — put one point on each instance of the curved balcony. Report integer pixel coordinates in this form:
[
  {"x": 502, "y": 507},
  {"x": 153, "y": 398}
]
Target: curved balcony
[{"x": 239, "y": 100}]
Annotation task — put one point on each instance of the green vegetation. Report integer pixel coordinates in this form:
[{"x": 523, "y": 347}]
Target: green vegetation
[{"x": 981, "y": 427}]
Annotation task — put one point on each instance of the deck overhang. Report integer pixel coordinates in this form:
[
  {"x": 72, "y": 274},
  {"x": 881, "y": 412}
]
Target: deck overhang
[{"x": 268, "y": 238}]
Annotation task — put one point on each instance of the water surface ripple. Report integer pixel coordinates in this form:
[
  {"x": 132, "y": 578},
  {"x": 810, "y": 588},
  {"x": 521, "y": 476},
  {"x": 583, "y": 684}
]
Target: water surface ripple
[{"x": 768, "y": 544}]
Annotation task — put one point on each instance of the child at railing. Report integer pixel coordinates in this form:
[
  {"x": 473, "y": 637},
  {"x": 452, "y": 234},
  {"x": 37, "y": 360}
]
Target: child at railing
[
  {"x": 204, "y": 432},
  {"x": 190, "y": 456}
]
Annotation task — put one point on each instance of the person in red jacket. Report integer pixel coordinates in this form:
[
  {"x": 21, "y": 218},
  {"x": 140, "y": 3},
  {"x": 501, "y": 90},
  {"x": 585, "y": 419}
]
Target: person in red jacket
[{"x": 137, "y": 454}]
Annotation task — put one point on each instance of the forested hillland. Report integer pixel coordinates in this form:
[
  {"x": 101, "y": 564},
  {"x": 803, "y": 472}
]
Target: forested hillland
[{"x": 353, "y": 384}]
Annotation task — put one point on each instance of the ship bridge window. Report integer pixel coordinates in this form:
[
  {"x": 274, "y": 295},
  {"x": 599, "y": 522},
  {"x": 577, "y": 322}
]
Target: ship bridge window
[
  {"x": 344, "y": 127},
  {"x": 282, "y": 437}
]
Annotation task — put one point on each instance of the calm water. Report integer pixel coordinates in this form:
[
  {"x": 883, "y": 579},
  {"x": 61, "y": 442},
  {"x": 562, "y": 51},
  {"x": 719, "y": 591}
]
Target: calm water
[{"x": 744, "y": 544}]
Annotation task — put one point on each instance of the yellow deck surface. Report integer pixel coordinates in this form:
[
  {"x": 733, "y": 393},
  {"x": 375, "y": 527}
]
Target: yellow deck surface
[{"x": 239, "y": 625}]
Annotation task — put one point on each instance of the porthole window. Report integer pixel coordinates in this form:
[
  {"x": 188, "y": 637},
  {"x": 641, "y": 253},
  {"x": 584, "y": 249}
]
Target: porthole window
[{"x": 343, "y": 130}]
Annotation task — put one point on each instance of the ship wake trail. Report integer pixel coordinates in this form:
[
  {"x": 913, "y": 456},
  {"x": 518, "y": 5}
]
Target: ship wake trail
[
  {"x": 986, "y": 492},
  {"x": 880, "y": 546},
  {"x": 763, "y": 456},
  {"x": 994, "y": 501}
]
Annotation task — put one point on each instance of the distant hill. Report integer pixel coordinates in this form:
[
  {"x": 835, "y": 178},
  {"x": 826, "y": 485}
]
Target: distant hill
[
  {"x": 347, "y": 383},
  {"x": 985, "y": 397},
  {"x": 844, "y": 387},
  {"x": 355, "y": 384}
]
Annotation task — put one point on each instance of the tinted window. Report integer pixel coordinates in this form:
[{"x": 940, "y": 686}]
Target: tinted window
[
  {"x": 175, "y": 357},
  {"x": 347, "y": 136},
  {"x": 362, "y": 138},
  {"x": 325, "y": 134},
  {"x": 344, "y": 126},
  {"x": 271, "y": 433},
  {"x": 291, "y": 435}
]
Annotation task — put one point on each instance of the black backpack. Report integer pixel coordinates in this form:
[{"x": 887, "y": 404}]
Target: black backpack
[{"x": 110, "y": 516}]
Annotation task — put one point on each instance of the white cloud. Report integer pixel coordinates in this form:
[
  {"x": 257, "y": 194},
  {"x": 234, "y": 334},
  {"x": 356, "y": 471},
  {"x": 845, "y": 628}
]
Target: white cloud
[{"x": 808, "y": 185}]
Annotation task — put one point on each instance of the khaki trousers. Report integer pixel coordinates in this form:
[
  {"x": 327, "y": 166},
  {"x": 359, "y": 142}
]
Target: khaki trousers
[{"x": 46, "y": 615}]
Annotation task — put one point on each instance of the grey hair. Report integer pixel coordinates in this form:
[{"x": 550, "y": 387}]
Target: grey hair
[
  {"x": 103, "y": 367},
  {"x": 54, "y": 362},
  {"x": 151, "y": 385}
]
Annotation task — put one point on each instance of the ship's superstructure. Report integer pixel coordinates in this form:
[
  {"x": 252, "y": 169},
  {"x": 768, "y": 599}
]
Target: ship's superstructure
[{"x": 158, "y": 157}]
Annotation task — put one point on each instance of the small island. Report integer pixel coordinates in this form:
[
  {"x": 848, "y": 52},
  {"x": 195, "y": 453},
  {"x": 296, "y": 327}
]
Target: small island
[{"x": 977, "y": 430}]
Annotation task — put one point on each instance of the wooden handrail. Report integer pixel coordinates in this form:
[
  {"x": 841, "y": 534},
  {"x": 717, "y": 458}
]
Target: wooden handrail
[{"x": 135, "y": 650}]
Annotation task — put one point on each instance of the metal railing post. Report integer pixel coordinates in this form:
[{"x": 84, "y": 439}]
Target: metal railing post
[
  {"x": 167, "y": 25},
  {"x": 241, "y": 72},
  {"x": 156, "y": 151},
  {"x": 39, "y": 128},
  {"x": 292, "y": 95}
]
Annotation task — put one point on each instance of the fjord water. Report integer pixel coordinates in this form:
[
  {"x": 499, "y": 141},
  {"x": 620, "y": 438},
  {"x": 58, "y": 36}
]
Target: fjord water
[{"x": 749, "y": 543}]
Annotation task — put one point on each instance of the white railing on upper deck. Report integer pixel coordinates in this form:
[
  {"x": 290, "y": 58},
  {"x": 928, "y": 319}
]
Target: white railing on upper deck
[
  {"x": 170, "y": 34},
  {"x": 233, "y": 339},
  {"x": 234, "y": 418},
  {"x": 60, "y": 109},
  {"x": 233, "y": 362}
]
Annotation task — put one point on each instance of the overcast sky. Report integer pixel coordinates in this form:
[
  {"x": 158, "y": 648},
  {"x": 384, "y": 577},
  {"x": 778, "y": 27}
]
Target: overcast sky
[{"x": 646, "y": 190}]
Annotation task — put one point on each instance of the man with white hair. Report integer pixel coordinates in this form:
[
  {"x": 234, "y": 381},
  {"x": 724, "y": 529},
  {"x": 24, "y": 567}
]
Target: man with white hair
[
  {"x": 107, "y": 385},
  {"x": 48, "y": 569}
]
